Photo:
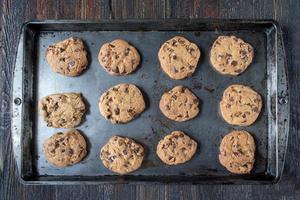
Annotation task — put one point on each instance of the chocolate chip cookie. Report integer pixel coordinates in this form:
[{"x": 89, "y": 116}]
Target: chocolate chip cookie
[
  {"x": 237, "y": 152},
  {"x": 119, "y": 57},
  {"x": 64, "y": 149},
  {"x": 231, "y": 55},
  {"x": 65, "y": 110},
  {"x": 176, "y": 148},
  {"x": 178, "y": 57},
  {"x": 240, "y": 105},
  {"x": 122, "y": 155},
  {"x": 121, "y": 103},
  {"x": 179, "y": 104},
  {"x": 67, "y": 57}
]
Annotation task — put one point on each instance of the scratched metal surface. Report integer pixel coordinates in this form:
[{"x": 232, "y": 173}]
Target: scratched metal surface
[{"x": 207, "y": 128}]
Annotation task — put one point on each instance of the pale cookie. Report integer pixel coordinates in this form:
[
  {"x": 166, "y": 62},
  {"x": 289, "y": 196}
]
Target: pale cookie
[
  {"x": 237, "y": 152},
  {"x": 176, "y": 148},
  {"x": 119, "y": 57},
  {"x": 121, "y": 103},
  {"x": 64, "y": 149},
  {"x": 179, "y": 104},
  {"x": 122, "y": 155},
  {"x": 65, "y": 110},
  {"x": 179, "y": 57},
  {"x": 67, "y": 57},
  {"x": 231, "y": 55},
  {"x": 240, "y": 105}
]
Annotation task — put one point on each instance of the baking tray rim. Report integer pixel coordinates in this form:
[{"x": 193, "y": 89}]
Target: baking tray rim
[{"x": 285, "y": 106}]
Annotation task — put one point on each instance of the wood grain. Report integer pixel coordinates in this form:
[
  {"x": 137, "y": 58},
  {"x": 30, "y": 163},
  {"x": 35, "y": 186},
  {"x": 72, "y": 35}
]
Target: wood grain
[{"x": 14, "y": 13}]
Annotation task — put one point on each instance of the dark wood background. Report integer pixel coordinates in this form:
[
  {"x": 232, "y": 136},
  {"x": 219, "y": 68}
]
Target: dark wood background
[{"x": 15, "y": 12}]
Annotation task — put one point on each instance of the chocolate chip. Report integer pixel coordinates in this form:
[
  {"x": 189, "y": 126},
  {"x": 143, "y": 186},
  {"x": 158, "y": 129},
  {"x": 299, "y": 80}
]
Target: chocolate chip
[
  {"x": 126, "y": 90},
  {"x": 116, "y": 70},
  {"x": 238, "y": 71},
  {"x": 136, "y": 150},
  {"x": 130, "y": 110},
  {"x": 117, "y": 111},
  {"x": 174, "y": 57},
  {"x": 71, "y": 151},
  {"x": 62, "y": 59},
  {"x": 255, "y": 109},
  {"x": 233, "y": 63},
  {"x": 127, "y": 51},
  {"x": 174, "y": 97},
  {"x": 191, "y": 67},
  {"x": 112, "y": 46},
  {"x": 237, "y": 114},
  {"x": 174, "y": 70}
]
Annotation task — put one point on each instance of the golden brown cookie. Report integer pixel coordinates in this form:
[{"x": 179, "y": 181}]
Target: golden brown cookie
[
  {"x": 119, "y": 57},
  {"x": 231, "y": 55},
  {"x": 178, "y": 57},
  {"x": 237, "y": 152},
  {"x": 240, "y": 105},
  {"x": 122, "y": 155},
  {"x": 122, "y": 103},
  {"x": 64, "y": 149},
  {"x": 65, "y": 110},
  {"x": 67, "y": 57},
  {"x": 176, "y": 148},
  {"x": 179, "y": 104}
]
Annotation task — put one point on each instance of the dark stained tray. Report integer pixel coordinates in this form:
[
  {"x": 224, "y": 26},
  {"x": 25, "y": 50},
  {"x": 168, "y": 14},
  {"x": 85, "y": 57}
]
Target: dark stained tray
[{"x": 33, "y": 79}]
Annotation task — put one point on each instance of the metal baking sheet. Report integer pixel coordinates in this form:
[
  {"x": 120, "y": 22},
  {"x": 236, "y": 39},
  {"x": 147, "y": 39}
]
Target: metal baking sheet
[{"x": 34, "y": 79}]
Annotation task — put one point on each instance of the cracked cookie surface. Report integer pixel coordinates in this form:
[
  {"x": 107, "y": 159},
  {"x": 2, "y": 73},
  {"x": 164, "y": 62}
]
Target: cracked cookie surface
[
  {"x": 65, "y": 149},
  {"x": 119, "y": 57},
  {"x": 121, "y": 103},
  {"x": 64, "y": 110},
  {"x": 122, "y": 155},
  {"x": 176, "y": 148},
  {"x": 179, "y": 104},
  {"x": 179, "y": 57},
  {"x": 237, "y": 152},
  {"x": 231, "y": 55},
  {"x": 240, "y": 105},
  {"x": 67, "y": 57}
]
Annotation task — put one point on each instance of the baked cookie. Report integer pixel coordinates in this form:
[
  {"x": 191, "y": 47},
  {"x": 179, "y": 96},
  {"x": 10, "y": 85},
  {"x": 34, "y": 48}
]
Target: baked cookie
[
  {"x": 240, "y": 105},
  {"x": 237, "y": 151},
  {"x": 118, "y": 57},
  {"x": 63, "y": 110},
  {"x": 179, "y": 104},
  {"x": 67, "y": 57},
  {"x": 122, "y": 155},
  {"x": 178, "y": 57},
  {"x": 176, "y": 148},
  {"x": 231, "y": 55},
  {"x": 64, "y": 149},
  {"x": 121, "y": 103}
]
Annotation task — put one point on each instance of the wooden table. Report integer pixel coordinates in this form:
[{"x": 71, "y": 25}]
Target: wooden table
[{"x": 15, "y": 12}]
